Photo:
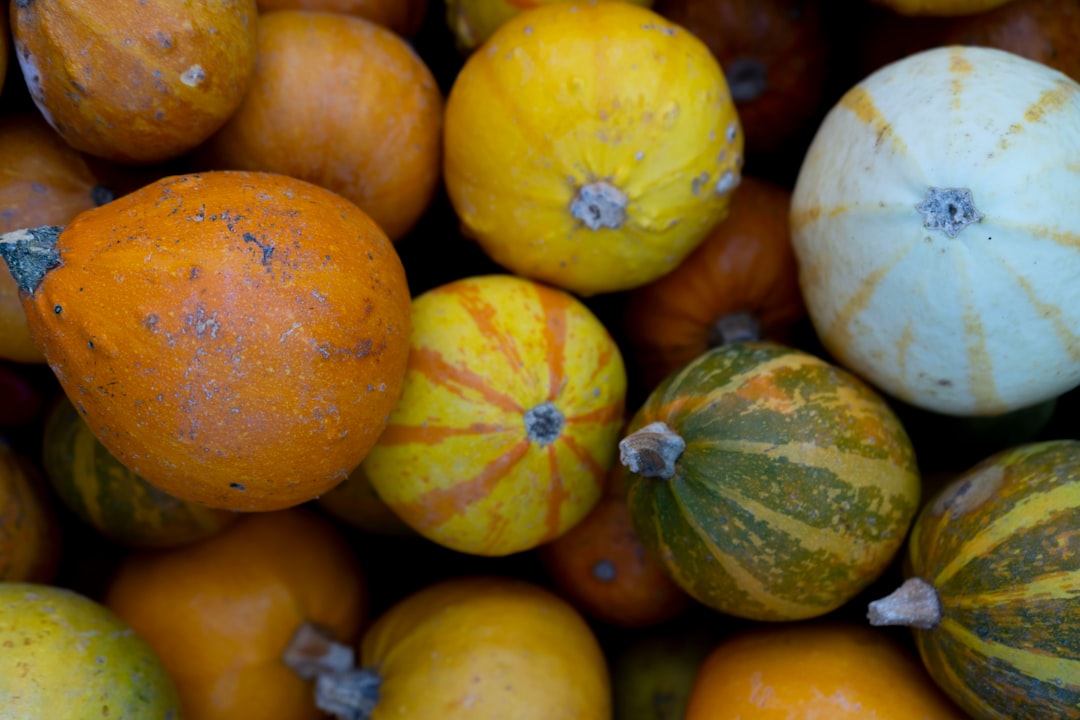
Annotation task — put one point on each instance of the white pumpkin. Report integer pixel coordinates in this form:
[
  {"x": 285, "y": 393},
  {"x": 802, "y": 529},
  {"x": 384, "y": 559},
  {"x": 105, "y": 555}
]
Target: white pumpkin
[{"x": 936, "y": 222}]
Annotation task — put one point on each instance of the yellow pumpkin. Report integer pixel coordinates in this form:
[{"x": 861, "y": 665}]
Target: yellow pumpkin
[
  {"x": 63, "y": 655},
  {"x": 476, "y": 648},
  {"x": 591, "y": 145},
  {"x": 508, "y": 419},
  {"x": 474, "y": 21}
]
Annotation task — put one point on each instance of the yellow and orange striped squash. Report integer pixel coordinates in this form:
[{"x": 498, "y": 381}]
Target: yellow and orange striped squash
[
  {"x": 509, "y": 416},
  {"x": 994, "y": 565},
  {"x": 934, "y": 221},
  {"x": 772, "y": 484},
  {"x": 591, "y": 145}
]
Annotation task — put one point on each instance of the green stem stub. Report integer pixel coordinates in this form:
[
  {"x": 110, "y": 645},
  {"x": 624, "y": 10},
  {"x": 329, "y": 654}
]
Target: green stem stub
[{"x": 30, "y": 254}]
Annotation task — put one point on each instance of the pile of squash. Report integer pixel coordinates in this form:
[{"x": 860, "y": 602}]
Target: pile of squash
[{"x": 633, "y": 359}]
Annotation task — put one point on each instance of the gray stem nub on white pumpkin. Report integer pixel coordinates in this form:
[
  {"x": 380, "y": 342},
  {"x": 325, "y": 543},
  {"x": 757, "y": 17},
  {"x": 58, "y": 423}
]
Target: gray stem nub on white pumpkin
[
  {"x": 652, "y": 451},
  {"x": 914, "y": 604},
  {"x": 30, "y": 254},
  {"x": 599, "y": 205},
  {"x": 544, "y": 423},
  {"x": 949, "y": 210}
]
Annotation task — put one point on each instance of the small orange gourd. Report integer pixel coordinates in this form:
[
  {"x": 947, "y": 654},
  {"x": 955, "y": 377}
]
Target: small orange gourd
[
  {"x": 819, "y": 669},
  {"x": 141, "y": 83},
  {"x": 221, "y": 613},
  {"x": 402, "y": 16},
  {"x": 29, "y": 531},
  {"x": 43, "y": 181},
  {"x": 235, "y": 339},
  {"x": 344, "y": 103},
  {"x": 741, "y": 283}
]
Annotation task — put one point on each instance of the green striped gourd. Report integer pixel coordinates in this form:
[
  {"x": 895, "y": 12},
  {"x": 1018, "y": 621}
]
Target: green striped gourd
[
  {"x": 993, "y": 588},
  {"x": 119, "y": 504},
  {"x": 774, "y": 485}
]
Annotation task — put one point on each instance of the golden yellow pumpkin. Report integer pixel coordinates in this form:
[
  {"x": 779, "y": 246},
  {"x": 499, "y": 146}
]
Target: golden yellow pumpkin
[{"x": 591, "y": 145}]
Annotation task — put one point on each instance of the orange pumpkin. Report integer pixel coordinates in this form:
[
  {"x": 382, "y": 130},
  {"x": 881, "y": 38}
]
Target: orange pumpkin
[
  {"x": 43, "y": 181},
  {"x": 355, "y": 503},
  {"x": 475, "y": 648},
  {"x": 221, "y": 613},
  {"x": 601, "y": 567},
  {"x": 774, "y": 54},
  {"x": 402, "y": 16},
  {"x": 815, "y": 670},
  {"x": 29, "y": 532},
  {"x": 366, "y": 124},
  {"x": 509, "y": 416},
  {"x": 235, "y": 339},
  {"x": 142, "y": 83},
  {"x": 741, "y": 283}
]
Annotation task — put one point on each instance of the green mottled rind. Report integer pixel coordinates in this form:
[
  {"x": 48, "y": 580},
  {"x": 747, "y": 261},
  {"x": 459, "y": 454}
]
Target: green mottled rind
[
  {"x": 796, "y": 488},
  {"x": 112, "y": 499},
  {"x": 1001, "y": 544},
  {"x": 63, "y": 655}
]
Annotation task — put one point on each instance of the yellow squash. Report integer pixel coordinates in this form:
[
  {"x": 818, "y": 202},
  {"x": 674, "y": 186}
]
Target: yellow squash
[
  {"x": 591, "y": 145},
  {"x": 509, "y": 416}
]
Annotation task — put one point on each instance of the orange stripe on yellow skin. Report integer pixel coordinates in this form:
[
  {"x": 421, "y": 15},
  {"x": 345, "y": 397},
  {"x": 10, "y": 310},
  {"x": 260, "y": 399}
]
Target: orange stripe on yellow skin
[
  {"x": 483, "y": 314},
  {"x": 599, "y": 416},
  {"x": 554, "y": 306},
  {"x": 434, "y": 507},
  {"x": 433, "y": 434},
  {"x": 432, "y": 365},
  {"x": 595, "y": 470},
  {"x": 557, "y": 495}
]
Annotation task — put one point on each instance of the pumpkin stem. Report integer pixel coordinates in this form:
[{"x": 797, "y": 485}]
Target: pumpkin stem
[
  {"x": 30, "y": 253},
  {"x": 314, "y": 651},
  {"x": 652, "y": 450},
  {"x": 599, "y": 205},
  {"x": 739, "y": 326},
  {"x": 747, "y": 79},
  {"x": 915, "y": 604},
  {"x": 949, "y": 210},
  {"x": 543, "y": 423},
  {"x": 350, "y": 695}
]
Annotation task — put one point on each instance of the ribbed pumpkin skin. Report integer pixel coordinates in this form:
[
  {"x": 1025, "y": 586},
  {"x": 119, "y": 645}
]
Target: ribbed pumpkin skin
[
  {"x": 796, "y": 487},
  {"x": 1001, "y": 546},
  {"x": 458, "y": 460},
  {"x": 591, "y": 145},
  {"x": 111, "y": 498}
]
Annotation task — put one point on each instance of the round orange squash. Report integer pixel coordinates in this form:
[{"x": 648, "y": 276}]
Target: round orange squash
[
  {"x": 475, "y": 648},
  {"x": 43, "y": 181},
  {"x": 344, "y": 103},
  {"x": 402, "y": 16},
  {"x": 508, "y": 420},
  {"x": 602, "y": 568},
  {"x": 820, "y": 669},
  {"x": 741, "y": 283},
  {"x": 235, "y": 339},
  {"x": 29, "y": 531},
  {"x": 141, "y": 83},
  {"x": 591, "y": 145},
  {"x": 221, "y": 613}
]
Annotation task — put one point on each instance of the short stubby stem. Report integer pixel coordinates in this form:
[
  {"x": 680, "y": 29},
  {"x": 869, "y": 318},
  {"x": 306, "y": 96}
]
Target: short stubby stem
[
  {"x": 599, "y": 204},
  {"x": 738, "y": 326},
  {"x": 30, "y": 254},
  {"x": 949, "y": 210},
  {"x": 914, "y": 604},
  {"x": 652, "y": 450},
  {"x": 544, "y": 423}
]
